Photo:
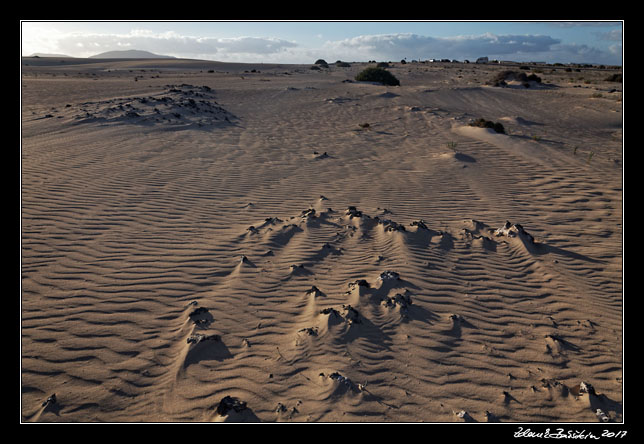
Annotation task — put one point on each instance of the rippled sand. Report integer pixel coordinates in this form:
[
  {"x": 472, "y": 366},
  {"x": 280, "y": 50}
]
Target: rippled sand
[{"x": 293, "y": 245}]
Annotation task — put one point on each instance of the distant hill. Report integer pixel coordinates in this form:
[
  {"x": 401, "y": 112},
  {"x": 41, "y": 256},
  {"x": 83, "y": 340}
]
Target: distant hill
[
  {"x": 129, "y": 54},
  {"x": 42, "y": 54}
]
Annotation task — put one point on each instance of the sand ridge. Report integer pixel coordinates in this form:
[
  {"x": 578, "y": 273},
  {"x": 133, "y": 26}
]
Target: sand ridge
[{"x": 334, "y": 251}]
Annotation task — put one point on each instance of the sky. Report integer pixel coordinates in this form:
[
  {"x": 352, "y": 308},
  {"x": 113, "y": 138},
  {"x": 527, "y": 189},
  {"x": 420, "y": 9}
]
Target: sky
[{"x": 596, "y": 42}]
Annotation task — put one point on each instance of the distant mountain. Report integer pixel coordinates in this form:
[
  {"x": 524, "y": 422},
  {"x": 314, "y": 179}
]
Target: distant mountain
[
  {"x": 129, "y": 54},
  {"x": 42, "y": 54}
]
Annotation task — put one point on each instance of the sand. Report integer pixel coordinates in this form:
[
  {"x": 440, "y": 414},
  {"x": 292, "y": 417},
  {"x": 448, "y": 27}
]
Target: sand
[{"x": 201, "y": 242}]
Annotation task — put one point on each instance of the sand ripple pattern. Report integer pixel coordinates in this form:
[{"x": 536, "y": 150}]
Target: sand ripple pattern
[{"x": 315, "y": 269}]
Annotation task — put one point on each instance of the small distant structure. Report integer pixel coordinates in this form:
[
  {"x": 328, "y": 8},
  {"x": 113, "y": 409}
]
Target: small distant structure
[{"x": 482, "y": 60}]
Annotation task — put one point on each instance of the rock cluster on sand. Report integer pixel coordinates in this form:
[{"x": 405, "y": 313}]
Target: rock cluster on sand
[
  {"x": 513, "y": 230},
  {"x": 229, "y": 403},
  {"x": 503, "y": 78},
  {"x": 179, "y": 105}
]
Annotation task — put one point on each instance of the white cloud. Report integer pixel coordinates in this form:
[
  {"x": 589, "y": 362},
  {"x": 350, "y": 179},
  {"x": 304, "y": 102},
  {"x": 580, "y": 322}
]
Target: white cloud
[
  {"x": 613, "y": 36},
  {"x": 382, "y": 47},
  {"x": 502, "y": 47},
  {"x": 597, "y": 23},
  {"x": 170, "y": 43},
  {"x": 37, "y": 38},
  {"x": 397, "y": 46},
  {"x": 615, "y": 49},
  {"x": 575, "y": 53}
]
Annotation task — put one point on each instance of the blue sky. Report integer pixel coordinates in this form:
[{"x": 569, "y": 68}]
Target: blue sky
[{"x": 304, "y": 42}]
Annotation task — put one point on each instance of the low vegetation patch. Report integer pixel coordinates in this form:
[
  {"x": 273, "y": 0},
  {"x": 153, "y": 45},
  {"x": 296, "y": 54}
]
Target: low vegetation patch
[
  {"x": 482, "y": 123},
  {"x": 503, "y": 77},
  {"x": 379, "y": 75}
]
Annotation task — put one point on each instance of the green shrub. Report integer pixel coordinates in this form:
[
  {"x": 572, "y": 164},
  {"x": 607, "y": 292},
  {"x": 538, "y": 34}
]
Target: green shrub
[
  {"x": 342, "y": 64},
  {"x": 379, "y": 75}
]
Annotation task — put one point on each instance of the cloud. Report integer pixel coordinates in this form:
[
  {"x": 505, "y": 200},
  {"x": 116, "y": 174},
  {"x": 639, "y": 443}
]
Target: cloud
[
  {"x": 382, "y": 47},
  {"x": 612, "y": 36},
  {"x": 616, "y": 50},
  {"x": 501, "y": 47},
  {"x": 253, "y": 45},
  {"x": 581, "y": 53},
  {"x": 170, "y": 43},
  {"x": 592, "y": 24},
  {"x": 397, "y": 46},
  {"x": 576, "y": 53}
]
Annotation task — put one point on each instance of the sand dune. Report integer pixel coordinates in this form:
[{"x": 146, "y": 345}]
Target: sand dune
[{"x": 292, "y": 245}]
